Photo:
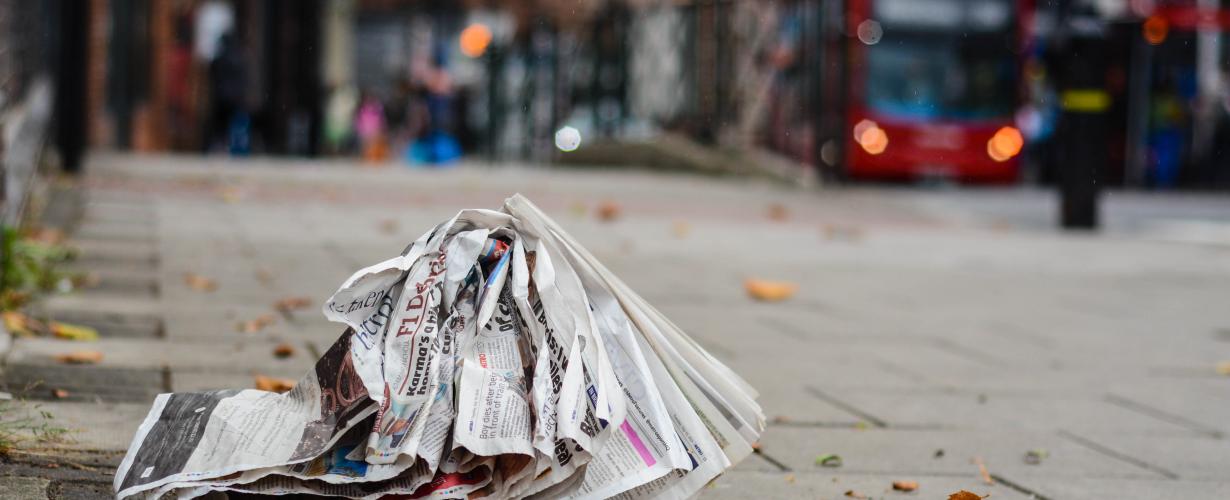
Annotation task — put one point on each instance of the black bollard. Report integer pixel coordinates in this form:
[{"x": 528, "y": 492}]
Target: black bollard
[{"x": 1082, "y": 129}]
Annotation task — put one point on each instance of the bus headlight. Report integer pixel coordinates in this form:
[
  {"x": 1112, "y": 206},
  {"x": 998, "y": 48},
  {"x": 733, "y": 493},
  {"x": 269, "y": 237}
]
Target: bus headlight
[
  {"x": 1005, "y": 144},
  {"x": 871, "y": 137}
]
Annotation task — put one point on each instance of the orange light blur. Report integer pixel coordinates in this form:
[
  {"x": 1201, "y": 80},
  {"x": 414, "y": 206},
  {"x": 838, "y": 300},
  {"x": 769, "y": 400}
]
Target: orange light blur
[
  {"x": 1155, "y": 30},
  {"x": 871, "y": 137},
  {"x": 1006, "y": 143},
  {"x": 475, "y": 39}
]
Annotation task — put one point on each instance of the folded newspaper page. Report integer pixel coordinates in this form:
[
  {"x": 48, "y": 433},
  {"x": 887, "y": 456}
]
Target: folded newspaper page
[{"x": 495, "y": 357}]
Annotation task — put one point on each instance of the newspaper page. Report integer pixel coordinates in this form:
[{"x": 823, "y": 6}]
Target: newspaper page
[{"x": 201, "y": 435}]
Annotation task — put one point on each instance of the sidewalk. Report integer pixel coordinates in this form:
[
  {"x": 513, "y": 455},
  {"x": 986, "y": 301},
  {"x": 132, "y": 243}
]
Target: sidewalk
[{"x": 932, "y": 331}]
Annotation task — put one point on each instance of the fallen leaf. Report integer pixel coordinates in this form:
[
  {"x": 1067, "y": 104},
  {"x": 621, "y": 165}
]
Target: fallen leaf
[
  {"x": 855, "y": 494},
  {"x": 80, "y": 357},
  {"x": 59, "y": 393},
  {"x": 23, "y": 326},
  {"x": 778, "y": 212},
  {"x": 829, "y": 460},
  {"x": 965, "y": 495},
  {"x": 861, "y": 425},
  {"x": 982, "y": 471},
  {"x": 48, "y": 235},
  {"x": 289, "y": 304},
  {"x": 388, "y": 226},
  {"x": 609, "y": 211},
  {"x": 939, "y": 453},
  {"x": 199, "y": 283},
  {"x": 1223, "y": 368},
  {"x": 769, "y": 291},
  {"x": 284, "y": 350},
  {"x": 230, "y": 194},
  {"x": 86, "y": 280},
  {"x": 781, "y": 419},
  {"x": 905, "y": 485},
  {"x": 264, "y": 277},
  {"x": 255, "y": 325},
  {"x": 790, "y": 478},
  {"x": 578, "y": 209},
  {"x": 272, "y": 384},
  {"x": 680, "y": 229},
  {"x": 1035, "y": 457},
  {"x": 73, "y": 332}
]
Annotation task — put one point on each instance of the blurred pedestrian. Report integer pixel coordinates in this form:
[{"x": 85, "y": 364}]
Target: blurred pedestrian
[
  {"x": 371, "y": 126},
  {"x": 437, "y": 146},
  {"x": 228, "y": 127}
]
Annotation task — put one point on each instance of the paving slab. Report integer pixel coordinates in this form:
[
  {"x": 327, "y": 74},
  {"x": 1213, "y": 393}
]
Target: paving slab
[
  {"x": 748, "y": 484},
  {"x": 43, "y": 380},
  {"x": 1126, "y": 489},
  {"x": 1189, "y": 458},
  {"x": 942, "y": 409},
  {"x": 886, "y": 451},
  {"x": 23, "y": 488},
  {"x": 253, "y": 355},
  {"x": 90, "y": 426}
]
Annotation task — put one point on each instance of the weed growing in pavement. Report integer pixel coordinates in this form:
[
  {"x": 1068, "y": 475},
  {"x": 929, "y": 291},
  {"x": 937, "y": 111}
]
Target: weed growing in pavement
[{"x": 24, "y": 424}]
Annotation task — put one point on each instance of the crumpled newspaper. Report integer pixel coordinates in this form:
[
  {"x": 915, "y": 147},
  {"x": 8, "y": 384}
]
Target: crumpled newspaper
[{"x": 494, "y": 357}]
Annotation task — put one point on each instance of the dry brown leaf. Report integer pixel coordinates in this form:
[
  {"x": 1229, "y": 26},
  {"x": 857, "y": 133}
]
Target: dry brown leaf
[
  {"x": 855, "y": 494},
  {"x": 769, "y": 291},
  {"x": 264, "y": 277},
  {"x": 255, "y": 325},
  {"x": 48, "y": 235},
  {"x": 80, "y": 357},
  {"x": 905, "y": 485},
  {"x": 388, "y": 226},
  {"x": 982, "y": 471},
  {"x": 284, "y": 350},
  {"x": 778, "y": 212},
  {"x": 289, "y": 304},
  {"x": 59, "y": 393},
  {"x": 965, "y": 495},
  {"x": 681, "y": 229},
  {"x": 609, "y": 211},
  {"x": 790, "y": 478},
  {"x": 1223, "y": 368},
  {"x": 200, "y": 283},
  {"x": 22, "y": 325},
  {"x": 272, "y": 384}
]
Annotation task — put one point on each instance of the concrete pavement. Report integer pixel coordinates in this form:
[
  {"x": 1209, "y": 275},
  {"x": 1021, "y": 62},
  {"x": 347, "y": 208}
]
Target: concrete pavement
[{"x": 933, "y": 330}]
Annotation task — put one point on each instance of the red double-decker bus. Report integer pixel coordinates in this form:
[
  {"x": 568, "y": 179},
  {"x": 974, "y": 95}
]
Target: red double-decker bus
[{"x": 933, "y": 88}]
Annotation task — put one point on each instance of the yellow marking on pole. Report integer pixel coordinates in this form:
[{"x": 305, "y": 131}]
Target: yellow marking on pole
[{"x": 1085, "y": 100}]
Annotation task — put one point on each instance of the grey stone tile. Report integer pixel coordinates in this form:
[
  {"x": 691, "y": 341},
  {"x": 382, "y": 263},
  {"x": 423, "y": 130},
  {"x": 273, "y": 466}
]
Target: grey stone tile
[
  {"x": 883, "y": 451},
  {"x": 23, "y": 488},
  {"x": 747, "y": 484}
]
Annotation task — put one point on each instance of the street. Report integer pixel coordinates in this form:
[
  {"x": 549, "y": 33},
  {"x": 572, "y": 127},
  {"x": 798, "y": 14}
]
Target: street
[{"x": 947, "y": 336}]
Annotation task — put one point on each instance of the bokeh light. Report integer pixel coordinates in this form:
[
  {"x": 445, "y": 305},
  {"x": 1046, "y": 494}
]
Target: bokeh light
[
  {"x": 1155, "y": 30},
  {"x": 567, "y": 139},
  {"x": 870, "y": 32},
  {"x": 1005, "y": 144},
  {"x": 871, "y": 137},
  {"x": 475, "y": 39}
]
